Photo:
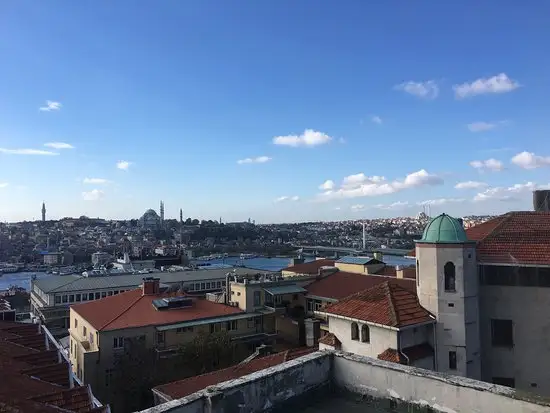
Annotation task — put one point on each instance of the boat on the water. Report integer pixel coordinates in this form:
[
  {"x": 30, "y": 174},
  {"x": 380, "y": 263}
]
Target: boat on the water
[{"x": 247, "y": 256}]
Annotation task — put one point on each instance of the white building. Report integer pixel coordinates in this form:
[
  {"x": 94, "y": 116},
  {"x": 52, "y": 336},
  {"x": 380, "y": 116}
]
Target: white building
[
  {"x": 100, "y": 258},
  {"x": 488, "y": 290}
]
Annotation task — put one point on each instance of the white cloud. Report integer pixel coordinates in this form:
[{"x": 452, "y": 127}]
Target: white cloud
[
  {"x": 500, "y": 83},
  {"x": 358, "y": 207},
  {"x": 308, "y": 138},
  {"x": 395, "y": 205},
  {"x": 287, "y": 198},
  {"x": 93, "y": 195},
  {"x": 337, "y": 208},
  {"x": 258, "y": 159},
  {"x": 360, "y": 185},
  {"x": 528, "y": 160},
  {"x": 50, "y": 106},
  {"x": 59, "y": 145},
  {"x": 508, "y": 193},
  {"x": 471, "y": 185},
  {"x": 327, "y": 185},
  {"x": 95, "y": 181},
  {"x": 376, "y": 119},
  {"x": 481, "y": 126},
  {"x": 492, "y": 164},
  {"x": 124, "y": 165},
  {"x": 27, "y": 152},
  {"x": 3, "y": 184},
  {"x": 441, "y": 201},
  {"x": 424, "y": 90}
]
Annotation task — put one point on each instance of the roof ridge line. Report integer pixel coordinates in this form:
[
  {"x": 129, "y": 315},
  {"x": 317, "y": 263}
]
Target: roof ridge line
[
  {"x": 392, "y": 303},
  {"x": 69, "y": 283},
  {"x": 507, "y": 217},
  {"x": 123, "y": 312}
]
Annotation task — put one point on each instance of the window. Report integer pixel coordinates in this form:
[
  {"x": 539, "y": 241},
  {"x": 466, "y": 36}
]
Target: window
[
  {"x": 78, "y": 297},
  {"x": 197, "y": 286},
  {"x": 527, "y": 276},
  {"x": 450, "y": 277},
  {"x": 250, "y": 322},
  {"x": 191, "y": 287},
  {"x": 215, "y": 327},
  {"x": 160, "y": 337},
  {"x": 219, "y": 284},
  {"x": 71, "y": 298},
  {"x": 502, "y": 333},
  {"x": 90, "y": 296},
  {"x": 76, "y": 323},
  {"x": 97, "y": 296},
  {"x": 365, "y": 333},
  {"x": 207, "y": 286},
  {"x": 238, "y": 293},
  {"x": 65, "y": 299},
  {"x": 115, "y": 292},
  {"x": 354, "y": 331},
  {"x": 108, "y": 377},
  {"x": 84, "y": 331},
  {"x": 203, "y": 286},
  {"x": 257, "y": 298},
  {"x": 505, "y": 381},
  {"x": 452, "y": 360},
  {"x": 109, "y": 293},
  {"x": 58, "y": 299},
  {"x": 103, "y": 294},
  {"x": 118, "y": 342},
  {"x": 417, "y": 272},
  {"x": 231, "y": 325},
  {"x": 182, "y": 330},
  {"x": 223, "y": 283},
  {"x": 91, "y": 338}
]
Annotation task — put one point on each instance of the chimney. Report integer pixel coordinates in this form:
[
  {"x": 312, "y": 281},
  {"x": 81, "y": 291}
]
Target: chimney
[
  {"x": 399, "y": 273},
  {"x": 150, "y": 286}
]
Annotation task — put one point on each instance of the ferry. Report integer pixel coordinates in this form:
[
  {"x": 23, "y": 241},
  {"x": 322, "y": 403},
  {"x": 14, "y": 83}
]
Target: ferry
[
  {"x": 8, "y": 268},
  {"x": 247, "y": 256}
]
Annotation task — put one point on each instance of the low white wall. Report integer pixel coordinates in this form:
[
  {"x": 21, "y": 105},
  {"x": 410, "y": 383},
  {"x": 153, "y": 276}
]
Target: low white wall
[
  {"x": 257, "y": 391},
  {"x": 445, "y": 393}
]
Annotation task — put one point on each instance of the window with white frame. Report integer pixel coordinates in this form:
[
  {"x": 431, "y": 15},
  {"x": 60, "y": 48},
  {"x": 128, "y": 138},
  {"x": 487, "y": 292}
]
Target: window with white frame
[{"x": 118, "y": 342}]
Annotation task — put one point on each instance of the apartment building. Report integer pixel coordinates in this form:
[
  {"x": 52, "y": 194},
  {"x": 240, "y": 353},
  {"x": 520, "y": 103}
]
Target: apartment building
[
  {"x": 52, "y": 296},
  {"x": 161, "y": 320}
]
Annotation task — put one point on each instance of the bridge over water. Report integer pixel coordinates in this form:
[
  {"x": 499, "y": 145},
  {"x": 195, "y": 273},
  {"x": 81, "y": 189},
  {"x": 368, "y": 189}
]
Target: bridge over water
[{"x": 342, "y": 251}]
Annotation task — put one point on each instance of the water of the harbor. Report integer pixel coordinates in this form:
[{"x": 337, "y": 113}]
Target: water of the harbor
[
  {"x": 277, "y": 264},
  {"x": 19, "y": 279}
]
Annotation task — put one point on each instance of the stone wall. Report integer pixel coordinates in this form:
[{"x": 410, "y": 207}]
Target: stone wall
[{"x": 444, "y": 393}]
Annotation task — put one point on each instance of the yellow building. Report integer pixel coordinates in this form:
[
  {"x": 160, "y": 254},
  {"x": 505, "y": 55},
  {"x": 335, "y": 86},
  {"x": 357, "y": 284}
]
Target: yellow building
[{"x": 99, "y": 329}]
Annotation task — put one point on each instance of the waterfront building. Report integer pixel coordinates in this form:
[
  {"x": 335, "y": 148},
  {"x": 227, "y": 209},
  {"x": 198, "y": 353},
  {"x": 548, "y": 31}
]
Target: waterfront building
[
  {"x": 52, "y": 296},
  {"x": 36, "y": 374}
]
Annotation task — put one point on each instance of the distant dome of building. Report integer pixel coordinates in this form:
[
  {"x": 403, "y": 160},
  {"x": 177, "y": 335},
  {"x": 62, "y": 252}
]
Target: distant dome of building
[
  {"x": 150, "y": 219},
  {"x": 444, "y": 229}
]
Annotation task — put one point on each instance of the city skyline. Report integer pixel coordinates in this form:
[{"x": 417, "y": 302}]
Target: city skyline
[{"x": 359, "y": 112}]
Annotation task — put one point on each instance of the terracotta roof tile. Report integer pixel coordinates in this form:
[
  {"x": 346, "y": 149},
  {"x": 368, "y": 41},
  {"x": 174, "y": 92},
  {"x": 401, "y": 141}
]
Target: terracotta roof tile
[
  {"x": 185, "y": 387},
  {"x": 341, "y": 284},
  {"x": 310, "y": 267},
  {"x": 133, "y": 309},
  {"x": 514, "y": 238},
  {"x": 387, "y": 303},
  {"x": 330, "y": 340},
  {"x": 33, "y": 380},
  {"x": 413, "y": 353}
]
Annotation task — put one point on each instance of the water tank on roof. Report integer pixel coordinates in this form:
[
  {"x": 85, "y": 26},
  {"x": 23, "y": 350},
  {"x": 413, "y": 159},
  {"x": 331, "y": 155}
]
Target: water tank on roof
[{"x": 541, "y": 201}]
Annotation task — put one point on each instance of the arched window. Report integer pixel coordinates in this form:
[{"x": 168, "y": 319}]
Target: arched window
[
  {"x": 365, "y": 333},
  {"x": 450, "y": 276},
  {"x": 354, "y": 331}
]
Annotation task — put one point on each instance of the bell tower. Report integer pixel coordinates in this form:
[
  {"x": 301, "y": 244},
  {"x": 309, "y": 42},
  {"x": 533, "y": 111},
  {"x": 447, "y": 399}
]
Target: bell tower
[{"x": 447, "y": 285}]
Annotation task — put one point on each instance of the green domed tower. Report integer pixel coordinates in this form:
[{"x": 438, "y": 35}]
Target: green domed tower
[{"x": 447, "y": 286}]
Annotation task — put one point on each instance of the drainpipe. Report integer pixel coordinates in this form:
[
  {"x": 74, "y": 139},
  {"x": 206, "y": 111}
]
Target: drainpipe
[
  {"x": 399, "y": 348},
  {"x": 434, "y": 327}
]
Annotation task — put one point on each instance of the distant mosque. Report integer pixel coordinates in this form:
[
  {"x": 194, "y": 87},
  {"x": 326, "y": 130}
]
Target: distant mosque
[{"x": 151, "y": 220}]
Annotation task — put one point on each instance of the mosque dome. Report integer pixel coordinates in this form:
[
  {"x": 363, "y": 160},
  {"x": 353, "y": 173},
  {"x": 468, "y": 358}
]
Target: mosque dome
[{"x": 444, "y": 229}]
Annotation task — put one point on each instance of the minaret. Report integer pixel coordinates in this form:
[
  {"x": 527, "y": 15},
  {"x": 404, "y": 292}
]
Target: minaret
[
  {"x": 161, "y": 212},
  {"x": 181, "y": 216},
  {"x": 43, "y": 212}
]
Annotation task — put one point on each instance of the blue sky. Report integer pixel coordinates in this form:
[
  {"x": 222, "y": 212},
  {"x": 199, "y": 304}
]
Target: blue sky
[{"x": 393, "y": 103}]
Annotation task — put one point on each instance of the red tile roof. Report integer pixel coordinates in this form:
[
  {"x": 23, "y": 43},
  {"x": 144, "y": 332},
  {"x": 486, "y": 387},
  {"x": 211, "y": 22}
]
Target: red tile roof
[
  {"x": 310, "y": 267},
  {"x": 387, "y": 303},
  {"x": 133, "y": 309},
  {"x": 185, "y": 387},
  {"x": 414, "y": 353},
  {"x": 341, "y": 284},
  {"x": 514, "y": 238},
  {"x": 33, "y": 379}
]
